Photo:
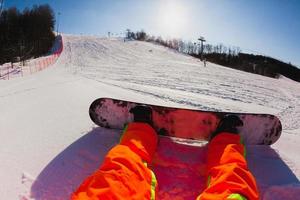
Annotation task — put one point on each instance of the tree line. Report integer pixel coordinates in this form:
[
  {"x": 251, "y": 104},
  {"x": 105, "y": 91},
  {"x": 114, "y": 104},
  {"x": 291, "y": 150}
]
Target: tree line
[
  {"x": 228, "y": 56},
  {"x": 26, "y": 34}
]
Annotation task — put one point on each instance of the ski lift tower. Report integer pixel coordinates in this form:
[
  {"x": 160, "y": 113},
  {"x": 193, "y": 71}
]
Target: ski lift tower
[
  {"x": 201, "y": 39},
  {"x": 58, "y": 14},
  {"x": 1, "y": 6}
]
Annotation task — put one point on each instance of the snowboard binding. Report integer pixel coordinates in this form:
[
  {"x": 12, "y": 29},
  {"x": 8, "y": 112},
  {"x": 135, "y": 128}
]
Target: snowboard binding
[
  {"x": 142, "y": 113},
  {"x": 228, "y": 124}
]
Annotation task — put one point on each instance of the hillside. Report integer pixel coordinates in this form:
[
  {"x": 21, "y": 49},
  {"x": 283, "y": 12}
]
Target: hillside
[
  {"x": 49, "y": 143},
  {"x": 256, "y": 64}
]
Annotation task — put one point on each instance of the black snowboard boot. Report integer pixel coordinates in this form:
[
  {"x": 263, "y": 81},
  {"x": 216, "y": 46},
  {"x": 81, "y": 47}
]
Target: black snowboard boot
[
  {"x": 228, "y": 124},
  {"x": 142, "y": 113}
]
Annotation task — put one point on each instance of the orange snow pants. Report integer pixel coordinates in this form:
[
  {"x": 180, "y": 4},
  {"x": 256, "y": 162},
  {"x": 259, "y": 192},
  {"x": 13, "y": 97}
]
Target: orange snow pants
[
  {"x": 124, "y": 174},
  {"x": 227, "y": 171}
]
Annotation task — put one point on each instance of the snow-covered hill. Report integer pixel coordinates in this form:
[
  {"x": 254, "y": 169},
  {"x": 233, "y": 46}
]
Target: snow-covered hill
[{"x": 48, "y": 143}]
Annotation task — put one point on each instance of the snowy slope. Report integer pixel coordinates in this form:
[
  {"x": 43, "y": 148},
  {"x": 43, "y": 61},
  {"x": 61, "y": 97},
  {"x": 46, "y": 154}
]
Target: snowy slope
[{"x": 49, "y": 143}]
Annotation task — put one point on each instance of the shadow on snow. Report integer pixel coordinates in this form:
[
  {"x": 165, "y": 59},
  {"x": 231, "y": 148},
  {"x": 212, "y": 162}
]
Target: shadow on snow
[
  {"x": 179, "y": 168},
  {"x": 70, "y": 167}
]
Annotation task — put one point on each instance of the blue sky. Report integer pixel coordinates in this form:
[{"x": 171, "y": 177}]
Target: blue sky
[{"x": 269, "y": 27}]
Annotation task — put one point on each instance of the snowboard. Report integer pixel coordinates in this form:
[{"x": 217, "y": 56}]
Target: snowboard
[{"x": 258, "y": 129}]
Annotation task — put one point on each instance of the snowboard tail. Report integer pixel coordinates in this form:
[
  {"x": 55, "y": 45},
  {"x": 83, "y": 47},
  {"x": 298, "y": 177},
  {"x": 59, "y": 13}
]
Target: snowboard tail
[{"x": 258, "y": 129}]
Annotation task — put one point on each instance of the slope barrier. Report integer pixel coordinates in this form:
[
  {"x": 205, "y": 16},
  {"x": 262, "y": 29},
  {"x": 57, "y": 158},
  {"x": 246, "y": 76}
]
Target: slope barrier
[{"x": 8, "y": 71}]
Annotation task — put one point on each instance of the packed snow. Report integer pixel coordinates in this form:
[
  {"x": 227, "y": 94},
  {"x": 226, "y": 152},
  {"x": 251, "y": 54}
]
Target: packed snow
[{"x": 49, "y": 144}]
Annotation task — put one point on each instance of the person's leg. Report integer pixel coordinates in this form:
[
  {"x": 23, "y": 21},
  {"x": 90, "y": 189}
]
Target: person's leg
[
  {"x": 124, "y": 173},
  {"x": 228, "y": 175}
]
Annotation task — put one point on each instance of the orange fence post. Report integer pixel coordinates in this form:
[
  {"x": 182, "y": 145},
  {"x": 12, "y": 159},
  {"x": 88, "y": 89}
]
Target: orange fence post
[{"x": 8, "y": 73}]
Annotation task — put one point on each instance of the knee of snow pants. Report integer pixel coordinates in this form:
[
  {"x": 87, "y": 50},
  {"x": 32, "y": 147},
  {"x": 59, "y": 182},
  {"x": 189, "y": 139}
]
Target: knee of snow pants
[
  {"x": 228, "y": 175},
  {"x": 124, "y": 173}
]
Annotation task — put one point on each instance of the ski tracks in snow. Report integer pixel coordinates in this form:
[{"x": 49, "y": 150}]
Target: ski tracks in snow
[
  {"x": 91, "y": 66},
  {"x": 291, "y": 114}
]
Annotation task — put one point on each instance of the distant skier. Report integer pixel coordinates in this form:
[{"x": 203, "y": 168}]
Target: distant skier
[
  {"x": 204, "y": 62},
  {"x": 125, "y": 174}
]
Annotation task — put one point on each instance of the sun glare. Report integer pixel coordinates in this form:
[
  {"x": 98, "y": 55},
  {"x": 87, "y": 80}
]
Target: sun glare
[{"x": 172, "y": 18}]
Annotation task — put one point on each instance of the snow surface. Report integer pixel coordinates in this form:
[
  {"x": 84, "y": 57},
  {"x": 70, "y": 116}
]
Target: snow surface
[{"x": 49, "y": 144}]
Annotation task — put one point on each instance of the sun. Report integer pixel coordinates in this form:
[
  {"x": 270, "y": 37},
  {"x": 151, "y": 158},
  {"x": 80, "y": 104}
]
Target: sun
[{"x": 172, "y": 18}]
